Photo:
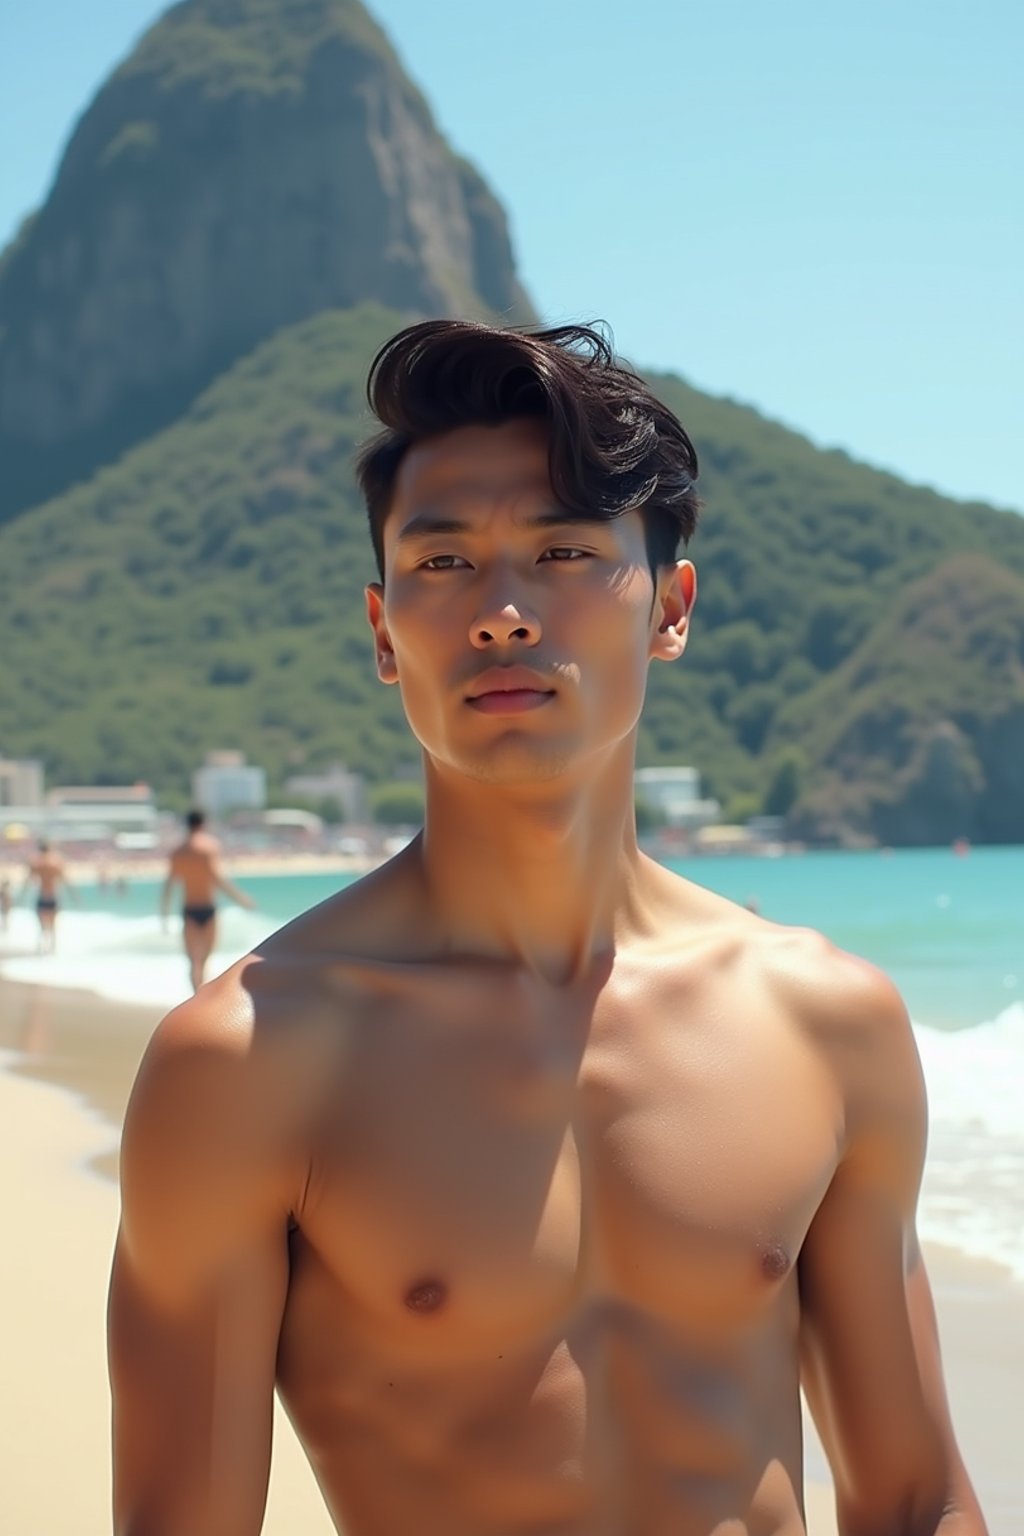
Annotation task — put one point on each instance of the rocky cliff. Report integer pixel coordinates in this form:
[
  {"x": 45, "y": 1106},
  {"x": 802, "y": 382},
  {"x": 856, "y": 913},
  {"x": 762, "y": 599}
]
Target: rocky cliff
[{"x": 252, "y": 162}]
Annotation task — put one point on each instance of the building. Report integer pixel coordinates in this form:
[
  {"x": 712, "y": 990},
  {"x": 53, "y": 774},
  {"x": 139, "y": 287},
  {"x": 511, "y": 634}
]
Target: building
[
  {"x": 336, "y": 783},
  {"x": 673, "y": 794},
  {"x": 21, "y": 783},
  {"x": 95, "y": 811},
  {"x": 226, "y": 782},
  {"x": 73, "y": 814}
]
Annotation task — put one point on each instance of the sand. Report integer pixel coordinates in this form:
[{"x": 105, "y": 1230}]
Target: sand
[{"x": 66, "y": 1063}]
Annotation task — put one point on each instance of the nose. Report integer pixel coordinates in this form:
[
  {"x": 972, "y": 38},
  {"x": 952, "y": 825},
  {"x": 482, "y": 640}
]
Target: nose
[{"x": 499, "y": 623}]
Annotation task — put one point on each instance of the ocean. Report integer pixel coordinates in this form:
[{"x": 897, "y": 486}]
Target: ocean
[{"x": 947, "y": 927}]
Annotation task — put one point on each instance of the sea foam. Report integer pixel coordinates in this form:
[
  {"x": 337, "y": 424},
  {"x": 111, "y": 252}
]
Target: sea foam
[
  {"x": 126, "y": 959},
  {"x": 972, "y": 1195}
]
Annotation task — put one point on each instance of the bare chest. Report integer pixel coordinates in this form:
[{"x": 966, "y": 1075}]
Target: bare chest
[{"x": 483, "y": 1178}]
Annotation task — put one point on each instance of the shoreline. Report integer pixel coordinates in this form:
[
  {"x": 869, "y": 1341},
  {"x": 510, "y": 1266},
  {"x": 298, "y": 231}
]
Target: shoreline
[
  {"x": 67, "y": 1062},
  {"x": 55, "y": 1407},
  {"x": 108, "y": 871}
]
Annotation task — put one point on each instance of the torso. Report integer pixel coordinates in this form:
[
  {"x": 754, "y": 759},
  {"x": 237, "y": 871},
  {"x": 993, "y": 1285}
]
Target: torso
[
  {"x": 544, "y": 1252},
  {"x": 48, "y": 872},
  {"x": 194, "y": 865}
]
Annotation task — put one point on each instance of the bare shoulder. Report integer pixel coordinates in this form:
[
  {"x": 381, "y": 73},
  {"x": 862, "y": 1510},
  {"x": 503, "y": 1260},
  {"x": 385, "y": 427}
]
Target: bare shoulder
[
  {"x": 838, "y": 998},
  {"x": 216, "y": 1134},
  {"x": 854, "y": 1014},
  {"x": 831, "y": 988},
  {"x": 245, "y": 1035}
]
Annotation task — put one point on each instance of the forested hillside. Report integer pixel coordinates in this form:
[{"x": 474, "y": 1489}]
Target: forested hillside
[{"x": 207, "y": 590}]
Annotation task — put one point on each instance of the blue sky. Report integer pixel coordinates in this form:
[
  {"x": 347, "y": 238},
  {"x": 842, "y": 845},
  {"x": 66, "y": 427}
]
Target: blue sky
[{"x": 817, "y": 209}]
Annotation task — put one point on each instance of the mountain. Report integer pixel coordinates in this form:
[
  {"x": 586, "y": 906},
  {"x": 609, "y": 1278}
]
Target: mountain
[
  {"x": 251, "y": 163},
  {"x": 919, "y": 734},
  {"x": 185, "y": 330},
  {"x": 207, "y": 590}
]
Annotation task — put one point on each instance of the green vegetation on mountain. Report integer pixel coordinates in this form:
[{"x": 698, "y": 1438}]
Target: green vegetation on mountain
[
  {"x": 857, "y": 653},
  {"x": 920, "y": 732},
  {"x": 207, "y": 589}
]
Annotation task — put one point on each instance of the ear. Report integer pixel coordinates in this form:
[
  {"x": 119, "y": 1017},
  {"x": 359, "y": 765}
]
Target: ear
[
  {"x": 676, "y": 595},
  {"x": 387, "y": 667}
]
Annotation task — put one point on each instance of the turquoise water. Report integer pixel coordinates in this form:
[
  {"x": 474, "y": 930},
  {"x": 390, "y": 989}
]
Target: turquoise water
[{"x": 948, "y": 929}]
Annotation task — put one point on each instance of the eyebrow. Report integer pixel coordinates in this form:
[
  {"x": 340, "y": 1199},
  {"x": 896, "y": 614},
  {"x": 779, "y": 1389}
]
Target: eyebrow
[{"x": 427, "y": 525}]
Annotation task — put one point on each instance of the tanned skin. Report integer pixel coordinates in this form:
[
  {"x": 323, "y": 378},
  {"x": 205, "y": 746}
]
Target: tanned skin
[
  {"x": 46, "y": 871},
  {"x": 195, "y": 865},
  {"x": 535, "y": 1177}
]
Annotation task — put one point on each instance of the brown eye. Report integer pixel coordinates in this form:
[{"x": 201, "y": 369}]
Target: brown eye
[{"x": 442, "y": 563}]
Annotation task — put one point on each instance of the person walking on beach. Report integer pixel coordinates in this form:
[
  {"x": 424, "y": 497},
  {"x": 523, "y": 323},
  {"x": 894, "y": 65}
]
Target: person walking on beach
[
  {"x": 538, "y": 1178},
  {"x": 47, "y": 872},
  {"x": 195, "y": 866}
]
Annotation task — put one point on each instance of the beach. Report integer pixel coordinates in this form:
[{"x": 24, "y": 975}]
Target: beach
[
  {"x": 57, "y": 1152},
  {"x": 67, "y": 1061}
]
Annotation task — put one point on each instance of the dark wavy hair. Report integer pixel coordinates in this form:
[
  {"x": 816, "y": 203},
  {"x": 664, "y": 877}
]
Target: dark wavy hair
[{"x": 614, "y": 447}]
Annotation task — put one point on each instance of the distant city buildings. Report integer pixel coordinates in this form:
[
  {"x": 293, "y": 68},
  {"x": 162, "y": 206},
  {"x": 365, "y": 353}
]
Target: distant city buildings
[
  {"x": 347, "y": 790},
  {"x": 90, "y": 813},
  {"x": 21, "y": 782},
  {"x": 124, "y": 814},
  {"x": 673, "y": 795},
  {"x": 226, "y": 783}
]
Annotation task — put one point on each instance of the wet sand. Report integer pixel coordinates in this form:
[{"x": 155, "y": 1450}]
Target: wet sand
[{"x": 67, "y": 1064}]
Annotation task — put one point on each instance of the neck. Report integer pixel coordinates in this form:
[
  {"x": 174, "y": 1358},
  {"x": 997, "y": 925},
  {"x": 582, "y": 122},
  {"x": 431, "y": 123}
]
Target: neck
[{"x": 547, "y": 876}]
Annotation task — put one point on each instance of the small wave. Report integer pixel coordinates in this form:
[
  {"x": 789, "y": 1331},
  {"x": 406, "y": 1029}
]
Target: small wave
[
  {"x": 125, "y": 959},
  {"x": 973, "y": 1191},
  {"x": 972, "y": 1195}
]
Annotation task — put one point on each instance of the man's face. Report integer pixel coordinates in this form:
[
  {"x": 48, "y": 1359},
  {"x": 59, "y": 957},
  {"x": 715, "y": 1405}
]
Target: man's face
[{"x": 483, "y": 575}]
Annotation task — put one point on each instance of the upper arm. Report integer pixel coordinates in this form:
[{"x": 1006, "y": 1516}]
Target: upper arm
[
  {"x": 869, "y": 1346},
  {"x": 220, "y": 878},
  {"x": 198, "y": 1286}
]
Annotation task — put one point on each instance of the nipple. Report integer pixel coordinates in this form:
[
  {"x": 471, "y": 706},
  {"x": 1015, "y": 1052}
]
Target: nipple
[
  {"x": 774, "y": 1261},
  {"x": 426, "y": 1296}
]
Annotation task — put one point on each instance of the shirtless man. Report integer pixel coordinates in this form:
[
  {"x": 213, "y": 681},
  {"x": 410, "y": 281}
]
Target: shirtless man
[
  {"x": 47, "y": 872},
  {"x": 536, "y": 1177},
  {"x": 195, "y": 865}
]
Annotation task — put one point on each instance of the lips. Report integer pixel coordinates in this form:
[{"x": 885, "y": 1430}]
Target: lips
[
  {"x": 499, "y": 680},
  {"x": 508, "y": 691}
]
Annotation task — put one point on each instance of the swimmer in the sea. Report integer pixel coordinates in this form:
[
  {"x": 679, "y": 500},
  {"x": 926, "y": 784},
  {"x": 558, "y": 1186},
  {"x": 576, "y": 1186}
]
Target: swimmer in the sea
[
  {"x": 195, "y": 865},
  {"x": 47, "y": 872}
]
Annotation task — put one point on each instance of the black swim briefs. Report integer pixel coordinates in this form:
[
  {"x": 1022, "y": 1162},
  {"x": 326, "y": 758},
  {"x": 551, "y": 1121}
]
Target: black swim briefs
[{"x": 199, "y": 915}]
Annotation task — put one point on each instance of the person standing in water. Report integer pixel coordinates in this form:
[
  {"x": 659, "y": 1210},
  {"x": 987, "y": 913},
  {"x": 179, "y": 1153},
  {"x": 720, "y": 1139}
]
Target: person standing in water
[
  {"x": 195, "y": 866},
  {"x": 47, "y": 872}
]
